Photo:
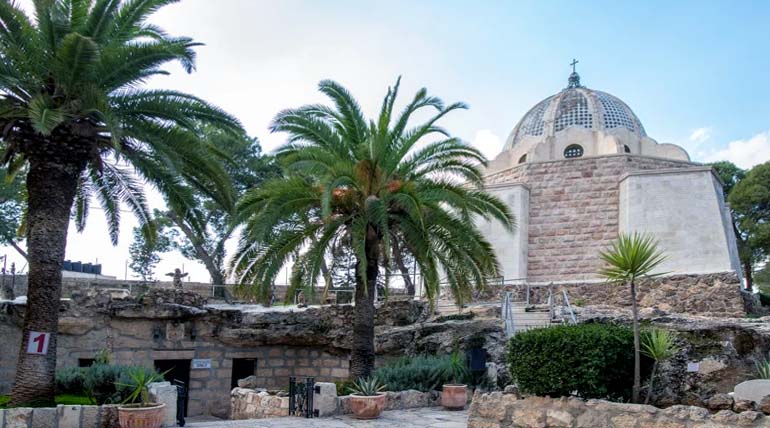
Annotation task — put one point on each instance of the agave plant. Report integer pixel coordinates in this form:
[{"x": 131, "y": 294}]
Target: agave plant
[
  {"x": 140, "y": 382},
  {"x": 367, "y": 387},
  {"x": 659, "y": 345},
  {"x": 763, "y": 369}
]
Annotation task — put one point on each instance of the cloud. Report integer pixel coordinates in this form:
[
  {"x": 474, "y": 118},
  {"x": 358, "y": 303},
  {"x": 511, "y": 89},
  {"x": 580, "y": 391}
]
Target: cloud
[
  {"x": 744, "y": 153},
  {"x": 489, "y": 143},
  {"x": 700, "y": 135}
]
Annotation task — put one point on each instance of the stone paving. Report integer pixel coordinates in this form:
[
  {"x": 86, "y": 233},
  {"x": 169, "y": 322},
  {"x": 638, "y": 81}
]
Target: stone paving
[{"x": 432, "y": 417}]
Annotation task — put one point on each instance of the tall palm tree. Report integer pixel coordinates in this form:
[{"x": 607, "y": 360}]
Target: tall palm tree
[
  {"x": 365, "y": 181},
  {"x": 630, "y": 258},
  {"x": 74, "y": 114}
]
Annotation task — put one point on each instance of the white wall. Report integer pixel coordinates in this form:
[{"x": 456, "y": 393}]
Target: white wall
[
  {"x": 510, "y": 247},
  {"x": 684, "y": 209}
]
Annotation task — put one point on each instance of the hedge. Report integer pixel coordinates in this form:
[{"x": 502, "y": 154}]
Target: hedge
[{"x": 587, "y": 360}]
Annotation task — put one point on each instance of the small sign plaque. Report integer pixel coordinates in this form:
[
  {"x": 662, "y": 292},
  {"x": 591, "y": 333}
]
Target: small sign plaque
[
  {"x": 693, "y": 367},
  {"x": 201, "y": 364},
  {"x": 38, "y": 342}
]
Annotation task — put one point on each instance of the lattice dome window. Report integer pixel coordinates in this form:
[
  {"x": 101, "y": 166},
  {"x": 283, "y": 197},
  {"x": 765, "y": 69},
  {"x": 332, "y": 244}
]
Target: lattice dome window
[
  {"x": 573, "y": 111},
  {"x": 573, "y": 151},
  {"x": 533, "y": 123},
  {"x": 615, "y": 113}
]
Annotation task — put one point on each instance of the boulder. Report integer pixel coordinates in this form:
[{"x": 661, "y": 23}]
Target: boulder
[
  {"x": 764, "y": 405},
  {"x": 743, "y": 405},
  {"x": 248, "y": 382},
  {"x": 325, "y": 398},
  {"x": 720, "y": 402},
  {"x": 753, "y": 390}
]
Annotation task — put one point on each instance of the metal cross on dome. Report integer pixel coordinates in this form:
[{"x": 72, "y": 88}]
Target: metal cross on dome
[
  {"x": 574, "y": 78},
  {"x": 573, "y": 63}
]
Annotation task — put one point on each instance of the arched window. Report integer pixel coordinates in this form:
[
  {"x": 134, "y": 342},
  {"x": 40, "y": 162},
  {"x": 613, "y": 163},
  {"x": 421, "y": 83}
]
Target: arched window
[
  {"x": 573, "y": 151},
  {"x": 626, "y": 148},
  {"x": 523, "y": 158}
]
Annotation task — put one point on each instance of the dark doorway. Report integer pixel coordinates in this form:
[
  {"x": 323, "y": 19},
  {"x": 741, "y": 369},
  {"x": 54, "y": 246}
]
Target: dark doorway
[
  {"x": 178, "y": 370},
  {"x": 86, "y": 362},
  {"x": 242, "y": 368}
]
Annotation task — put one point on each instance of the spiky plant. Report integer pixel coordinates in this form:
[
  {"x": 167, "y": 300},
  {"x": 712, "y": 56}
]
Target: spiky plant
[
  {"x": 74, "y": 115},
  {"x": 370, "y": 182},
  {"x": 367, "y": 387},
  {"x": 659, "y": 345},
  {"x": 629, "y": 258}
]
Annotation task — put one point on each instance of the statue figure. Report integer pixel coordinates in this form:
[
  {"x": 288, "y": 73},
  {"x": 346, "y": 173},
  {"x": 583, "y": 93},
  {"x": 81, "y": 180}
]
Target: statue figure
[{"x": 177, "y": 275}]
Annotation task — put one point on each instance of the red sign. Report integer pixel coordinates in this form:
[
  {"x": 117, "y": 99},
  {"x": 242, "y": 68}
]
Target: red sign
[{"x": 38, "y": 343}]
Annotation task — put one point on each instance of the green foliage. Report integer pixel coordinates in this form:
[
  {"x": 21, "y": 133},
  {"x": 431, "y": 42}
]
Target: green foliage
[
  {"x": 763, "y": 369},
  {"x": 12, "y": 201},
  {"x": 750, "y": 202},
  {"x": 631, "y": 257},
  {"x": 367, "y": 387},
  {"x": 139, "y": 379},
  {"x": 144, "y": 253},
  {"x": 65, "y": 399},
  {"x": 730, "y": 174},
  {"x": 423, "y": 373},
  {"x": 102, "y": 383},
  {"x": 4, "y": 399},
  {"x": 589, "y": 360},
  {"x": 658, "y": 344}
]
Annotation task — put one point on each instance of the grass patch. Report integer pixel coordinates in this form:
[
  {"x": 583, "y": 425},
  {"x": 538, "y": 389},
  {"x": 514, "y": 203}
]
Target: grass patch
[{"x": 67, "y": 399}]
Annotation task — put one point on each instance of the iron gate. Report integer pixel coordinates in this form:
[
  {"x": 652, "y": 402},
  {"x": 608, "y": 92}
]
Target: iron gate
[{"x": 301, "y": 397}]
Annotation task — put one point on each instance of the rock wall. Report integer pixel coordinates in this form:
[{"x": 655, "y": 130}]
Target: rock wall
[
  {"x": 573, "y": 210},
  {"x": 62, "y": 417},
  {"x": 498, "y": 410},
  {"x": 717, "y": 295}
]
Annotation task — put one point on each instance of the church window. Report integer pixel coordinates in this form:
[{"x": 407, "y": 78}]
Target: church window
[
  {"x": 626, "y": 148},
  {"x": 523, "y": 158},
  {"x": 573, "y": 111},
  {"x": 573, "y": 151}
]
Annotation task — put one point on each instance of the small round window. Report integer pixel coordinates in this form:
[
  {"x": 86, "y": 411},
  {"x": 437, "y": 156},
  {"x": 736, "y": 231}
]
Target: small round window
[
  {"x": 523, "y": 159},
  {"x": 626, "y": 148},
  {"x": 573, "y": 151}
]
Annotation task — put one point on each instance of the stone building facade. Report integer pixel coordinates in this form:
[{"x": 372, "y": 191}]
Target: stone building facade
[{"x": 578, "y": 170}]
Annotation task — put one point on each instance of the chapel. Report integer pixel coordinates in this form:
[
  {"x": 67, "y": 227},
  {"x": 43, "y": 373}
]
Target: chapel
[{"x": 578, "y": 169}]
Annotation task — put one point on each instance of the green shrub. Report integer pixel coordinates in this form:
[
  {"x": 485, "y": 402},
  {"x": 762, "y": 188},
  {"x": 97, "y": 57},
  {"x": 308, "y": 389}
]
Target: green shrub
[
  {"x": 70, "y": 380},
  {"x": 423, "y": 373},
  {"x": 588, "y": 360},
  {"x": 102, "y": 383}
]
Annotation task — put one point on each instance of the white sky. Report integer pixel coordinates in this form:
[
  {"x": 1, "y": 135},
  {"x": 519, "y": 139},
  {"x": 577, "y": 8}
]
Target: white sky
[{"x": 261, "y": 57}]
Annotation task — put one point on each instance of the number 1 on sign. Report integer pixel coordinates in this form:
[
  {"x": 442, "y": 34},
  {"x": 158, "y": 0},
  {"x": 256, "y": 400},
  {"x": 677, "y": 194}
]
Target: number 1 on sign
[{"x": 38, "y": 343}]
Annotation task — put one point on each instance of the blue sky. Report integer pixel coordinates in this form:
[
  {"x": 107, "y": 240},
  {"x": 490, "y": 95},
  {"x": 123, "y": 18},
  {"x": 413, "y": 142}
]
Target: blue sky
[{"x": 696, "y": 73}]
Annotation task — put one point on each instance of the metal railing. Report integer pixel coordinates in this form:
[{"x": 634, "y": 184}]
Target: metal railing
[{"x": 566, "y": 312}]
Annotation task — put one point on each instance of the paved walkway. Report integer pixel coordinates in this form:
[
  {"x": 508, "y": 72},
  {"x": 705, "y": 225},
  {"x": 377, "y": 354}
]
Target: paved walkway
[{"x": 432, "y": 417}]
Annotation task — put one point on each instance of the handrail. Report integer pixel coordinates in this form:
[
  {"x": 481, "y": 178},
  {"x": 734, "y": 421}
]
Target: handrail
[{"x": 569, "y": 307}]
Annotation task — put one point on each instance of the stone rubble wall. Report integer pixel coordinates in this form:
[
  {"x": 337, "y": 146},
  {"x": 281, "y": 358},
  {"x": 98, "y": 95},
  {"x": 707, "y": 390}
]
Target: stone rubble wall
[
  {"x": 573, "y": 210},
  {"x": 499, "y": 410},
  {"x": 717, "y": 295},
  {"x": 62, "y": 416}
]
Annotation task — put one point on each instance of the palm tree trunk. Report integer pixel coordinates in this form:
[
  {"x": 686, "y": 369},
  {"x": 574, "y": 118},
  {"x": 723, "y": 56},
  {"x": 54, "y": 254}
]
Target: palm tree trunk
[
  {"x": 362, "y": 352},
  {"x": 51, "y": 186},
  {"x": 637, "y": 357},
  {"x": 652, "y": 379}
]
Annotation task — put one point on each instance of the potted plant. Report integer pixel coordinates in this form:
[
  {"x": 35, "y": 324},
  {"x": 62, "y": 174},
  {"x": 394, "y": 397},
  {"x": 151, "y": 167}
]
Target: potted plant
[
  {"x": 454, "y": 395},
  {"x": 367, "y": 399},
  {"x": 136, "y": 410}
]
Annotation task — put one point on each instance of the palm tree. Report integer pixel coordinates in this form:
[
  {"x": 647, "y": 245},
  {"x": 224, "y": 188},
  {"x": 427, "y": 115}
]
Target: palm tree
[
  {"x": 74, "y": 114},
  {"x": 629, "y": 258},
  {"x": 369, "y": 182}
]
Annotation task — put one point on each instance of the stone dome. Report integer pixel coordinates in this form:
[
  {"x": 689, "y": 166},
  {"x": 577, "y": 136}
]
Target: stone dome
[{"x": 576, "y": 106}]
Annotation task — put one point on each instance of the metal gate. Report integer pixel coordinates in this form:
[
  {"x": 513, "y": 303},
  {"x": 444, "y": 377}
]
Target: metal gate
[
  {"x": 181, "y": 395},
  {"x": 301, "y": 397}
]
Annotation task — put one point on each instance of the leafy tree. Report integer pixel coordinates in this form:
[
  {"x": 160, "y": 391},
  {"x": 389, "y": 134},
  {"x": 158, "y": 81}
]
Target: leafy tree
[
  {"x": 12, "y": 200},
  {"x": 731, "y": 175},
  {"x": 630, "y": 258},
  {"x": 75, "y": 117},
  {"x": 144, "y": 253},
  {"x": 750, "y": 202},
  {"x": 368, "y": 182},
  {"x": 201, "y": 232}
]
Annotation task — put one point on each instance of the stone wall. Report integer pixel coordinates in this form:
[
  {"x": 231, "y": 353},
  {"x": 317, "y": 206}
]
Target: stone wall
[
  {"x": 573, "y": 210},
  {"x": 716, "y": 295},
  {"x": 498, "y": 410},
  {"x": 61, "y": 417}
]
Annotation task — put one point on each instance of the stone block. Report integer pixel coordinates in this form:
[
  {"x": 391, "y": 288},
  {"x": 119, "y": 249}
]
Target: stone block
[
  {"x": 68, "y": 416},
  {"x": 108, "y": 417},
  {"x": 325, "y": 398},
  {"x": 166, "y": 393},
  {"x": 592, "y": 419},
  {"x": 743, "y": 405},
  {"x": 720, "y": 402},
  {"x": 754, "y": 390},
  {"x": 558, "y": 418},
  {"x": 764, "y": 405},
  {"x": 89, "y": 416},
  {"x": 43, "y": 417},
  {"x": 248, "y": 382},
  {"x": 623, "y": 421},
  {"x": 18, "y": 417},
  {"x": 532, "y": 417}
]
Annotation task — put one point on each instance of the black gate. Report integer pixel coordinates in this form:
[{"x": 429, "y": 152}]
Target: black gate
[
  {"x": 301, "y": 397},
  {"x": 181, "y": 401}
]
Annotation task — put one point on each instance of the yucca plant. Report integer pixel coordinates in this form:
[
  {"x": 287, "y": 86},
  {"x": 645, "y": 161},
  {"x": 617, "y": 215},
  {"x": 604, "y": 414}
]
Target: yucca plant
[
  {"x": 367, "y": 387},
  {"x": 659, "y": 345},
  {"x": 763, "y": 369},
  {"x": 630, "y": 258},
  {"x": 140, "y": 380},
  {"x": 75, "y": 117},
  {"x": 366, "y": 183}
]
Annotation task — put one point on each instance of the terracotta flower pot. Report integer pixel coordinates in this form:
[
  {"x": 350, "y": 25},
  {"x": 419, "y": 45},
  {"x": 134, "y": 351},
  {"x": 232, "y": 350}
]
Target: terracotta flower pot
[
  {"x": 138, "y": 416},
  {"x": 367, "y": 406},
  {"x": 454, "y": 397}
]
